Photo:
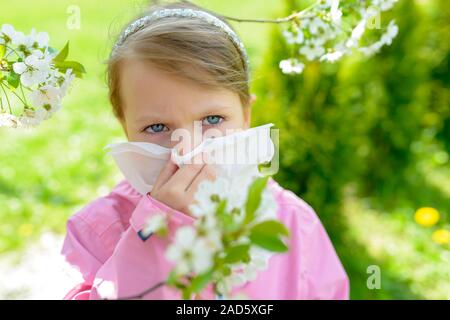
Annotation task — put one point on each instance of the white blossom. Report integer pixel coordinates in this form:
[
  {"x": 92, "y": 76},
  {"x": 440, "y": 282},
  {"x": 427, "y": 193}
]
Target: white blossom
[
  {"x": 291, "y": 66},
  {"x": 12, "y": 121},
  {"x": 32, "y": 60},
  {"x": 224, "y": 187},
  {"x": 31, "y": 41},
  {"x": 224, "y": 286},
  {"x": 312, "y": 51},
  {"x": 8, "y": 120},
  {"x": 332, "y": 56},
  {"x": 33, "y": 121},
  {"x": 243, "y": 273},
  {"x": 268, "y": 206},
  {"x": 154, "y": 224},
  {"x": 45, "y": 95},
  {"x": 386, "y": 39},
  {"x": 391, "y": 33},
  {"x": 206, "y": 190},
  {"x": 323, "y": 26},
  {"x": 22, "y": 41},
  {"x": 190, "y": 253},
  {"x": 335, "y": 12},
  {"x": 68, "y": 79},
  {"x": 33, "y": 70},
  {"x": 293, "y": 38},
  {"x": 208, "y": 228},
  {"x": 40, "y": 38},
  {"x": 384, "y": 5},
  {"x": 195, "y": 247},
  {"x": 8, "y": 31},
  {"x": 316, "y": 26},
  {"x": 357, "y": 33}
]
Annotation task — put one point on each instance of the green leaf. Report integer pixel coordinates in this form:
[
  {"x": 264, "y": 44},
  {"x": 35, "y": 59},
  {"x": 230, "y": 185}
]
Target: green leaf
[
  {"x": 62, "y": 55},
  {"x": 226, "y": 270},
  {"x": 2, "y": 51},
  {"x": 186, "y": 294},
  {"x": 267, "y": 234},
  {"x": 231, "y": 225},
  {"x": 77, "y": 68},
  {"x": 271, "y": 243},
  {"x": 172, "y": 278},
  {"x": 221, "y": 212},
  {"x": 201, "y": 281},
  {"x": 264, "y": 165},
  {"x": 221, "y": 207},
  {"x": 180, "y": 286},
  {"x": 270, "y": 228},
  {"x": 162, "y": 232},
  {"x": 13, "y": 79},
  {"x": 254, "y": 198},
  {"x": 237, "y": 253}
]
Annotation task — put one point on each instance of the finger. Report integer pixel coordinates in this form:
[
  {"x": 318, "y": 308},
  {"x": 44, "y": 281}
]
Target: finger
[
  {"x": 184, "y": 176},
  {"x": 169, "y": 169},
  {"x": 206, "y": 173}
]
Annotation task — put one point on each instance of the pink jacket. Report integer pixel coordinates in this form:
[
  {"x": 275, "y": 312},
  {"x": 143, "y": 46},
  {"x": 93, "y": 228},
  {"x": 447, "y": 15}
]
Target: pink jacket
[{"x": 102, "y": 241}]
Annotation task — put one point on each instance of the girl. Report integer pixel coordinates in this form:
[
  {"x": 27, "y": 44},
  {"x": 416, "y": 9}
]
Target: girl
[{"x": 164, "y": 74}]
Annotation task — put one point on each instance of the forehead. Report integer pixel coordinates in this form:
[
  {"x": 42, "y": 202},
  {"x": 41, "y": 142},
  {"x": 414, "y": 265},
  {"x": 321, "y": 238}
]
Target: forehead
[{"x": 145, "y": 89}]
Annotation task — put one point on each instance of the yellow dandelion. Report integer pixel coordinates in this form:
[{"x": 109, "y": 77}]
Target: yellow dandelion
[
  {"x": 441, "y": 236},
  {"x": 426, "y": 216}
]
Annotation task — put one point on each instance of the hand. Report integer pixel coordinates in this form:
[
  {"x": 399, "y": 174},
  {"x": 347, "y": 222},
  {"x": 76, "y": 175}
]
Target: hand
[{"x": 176, "y": 186}]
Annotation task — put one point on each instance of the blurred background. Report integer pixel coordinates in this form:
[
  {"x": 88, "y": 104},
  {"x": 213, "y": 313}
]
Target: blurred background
[{"x": 365, "y": 142}]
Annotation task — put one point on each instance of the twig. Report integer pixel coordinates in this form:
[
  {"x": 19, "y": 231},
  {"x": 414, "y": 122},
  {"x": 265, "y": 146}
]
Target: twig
[
  {"x": 278, "y": 20},
  {"x": 23, "y": 95},
  {"x": 291, "y": 17},
  {"x": 1, "y": 103},
  {"x": 22, "y": 100},
  {"x": 6, "y": 95},
  {"x": 12, "y": 50},
  {"x": 142, "y": 294}
]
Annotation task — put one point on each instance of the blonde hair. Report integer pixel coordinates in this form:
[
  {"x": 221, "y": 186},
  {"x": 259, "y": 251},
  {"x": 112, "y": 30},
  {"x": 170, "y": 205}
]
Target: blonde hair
[{"x": 190, "y": 48}]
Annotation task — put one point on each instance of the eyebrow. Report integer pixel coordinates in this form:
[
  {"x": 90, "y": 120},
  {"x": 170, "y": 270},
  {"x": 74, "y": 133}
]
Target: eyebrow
[
  {"x": 157, "y": 119},
  {"x": 154, "y": 119},
  {"x": 213, "y": 109}
]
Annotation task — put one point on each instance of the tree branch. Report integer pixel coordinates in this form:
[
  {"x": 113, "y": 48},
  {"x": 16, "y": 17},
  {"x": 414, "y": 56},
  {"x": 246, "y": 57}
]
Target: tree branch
[
  {"x": 293, "y": 16},
  {"x": 142, "y": 294},
  {"x": 278, "y": 20}
]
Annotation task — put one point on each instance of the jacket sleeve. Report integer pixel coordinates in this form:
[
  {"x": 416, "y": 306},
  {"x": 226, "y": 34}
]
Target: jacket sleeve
[
  {"x": 136, "y": 261},
  {"x": 93, "y": 233},
  {"x": 80, "y": 249}
]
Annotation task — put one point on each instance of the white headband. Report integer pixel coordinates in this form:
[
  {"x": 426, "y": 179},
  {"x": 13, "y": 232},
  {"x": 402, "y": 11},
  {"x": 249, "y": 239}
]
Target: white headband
[{"x": 177, "y": 12}]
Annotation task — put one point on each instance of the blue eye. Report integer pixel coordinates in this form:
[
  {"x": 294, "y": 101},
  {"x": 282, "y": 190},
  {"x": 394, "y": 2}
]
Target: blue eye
[
  {"x": 211, "y": 120},
  {"x": 155, "y": 128}
]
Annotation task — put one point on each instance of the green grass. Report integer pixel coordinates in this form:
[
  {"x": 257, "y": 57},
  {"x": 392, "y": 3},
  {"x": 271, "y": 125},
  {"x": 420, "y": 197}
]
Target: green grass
[
  {"x": 383, "y": 232},
  {"x": 411, "y": 264}
]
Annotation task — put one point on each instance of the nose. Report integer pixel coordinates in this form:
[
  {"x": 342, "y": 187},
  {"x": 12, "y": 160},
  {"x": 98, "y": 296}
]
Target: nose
[{"x": 186, "y": 138}]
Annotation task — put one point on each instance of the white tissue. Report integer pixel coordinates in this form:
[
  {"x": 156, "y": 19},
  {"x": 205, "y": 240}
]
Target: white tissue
[{"x": 232, "y": 155}]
